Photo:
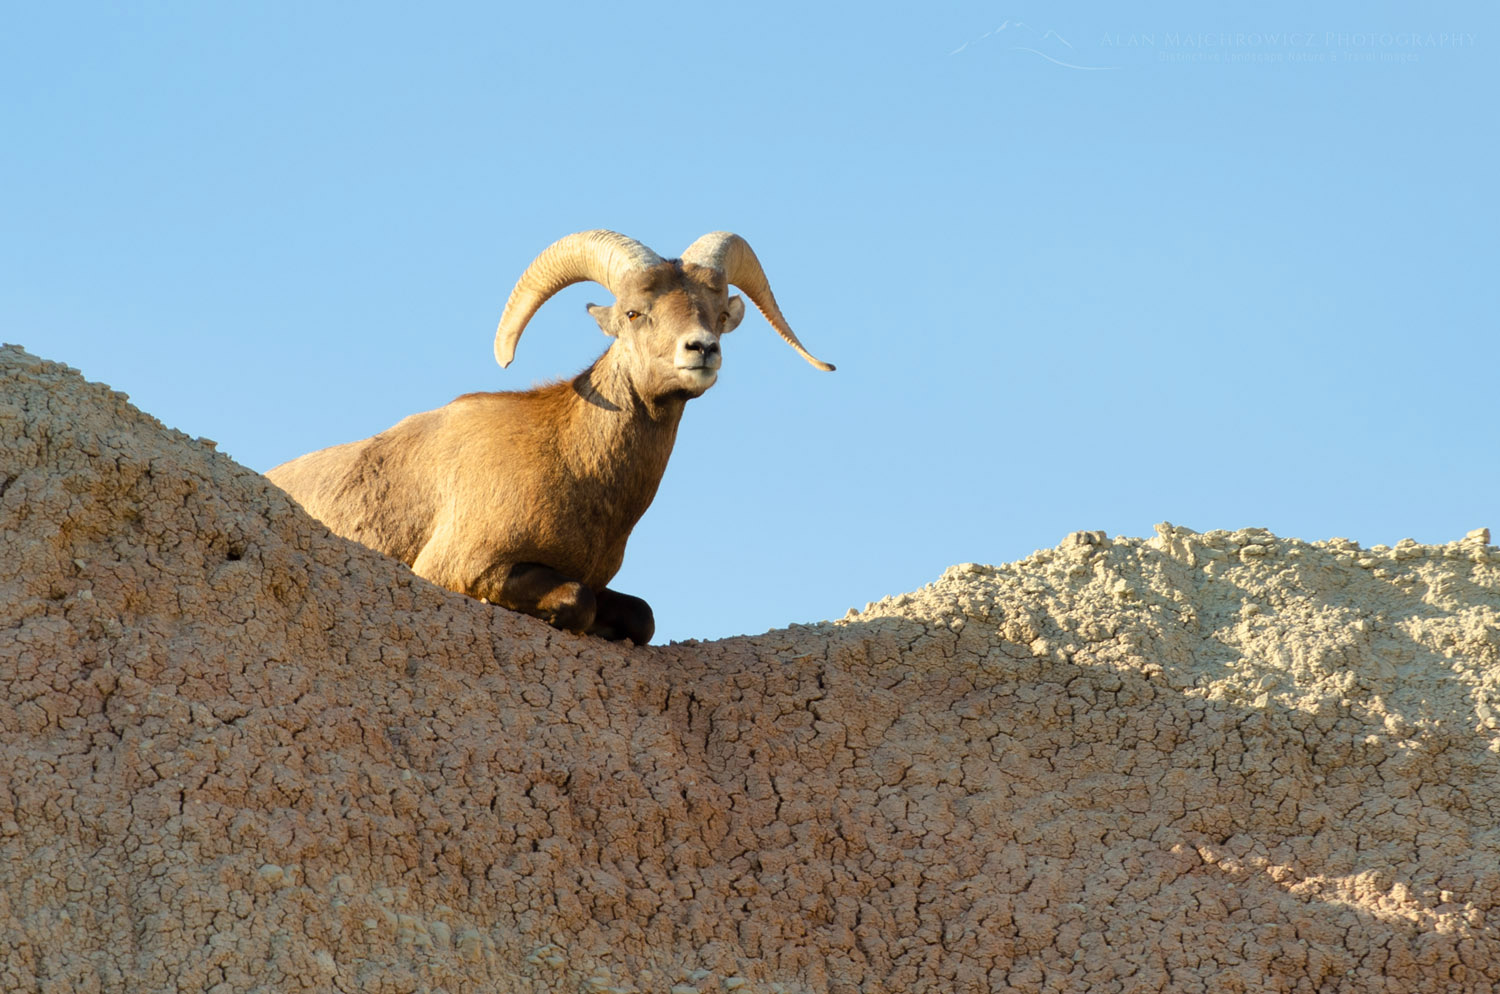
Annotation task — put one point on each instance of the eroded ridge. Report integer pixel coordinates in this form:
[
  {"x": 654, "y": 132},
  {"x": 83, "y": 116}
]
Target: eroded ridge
[{"x": 239, "y": 754}]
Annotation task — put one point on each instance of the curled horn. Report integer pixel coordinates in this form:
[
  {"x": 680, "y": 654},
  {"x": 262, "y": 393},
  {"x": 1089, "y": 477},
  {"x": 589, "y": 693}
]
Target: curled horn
[
  {"x": 599, "y": 255},
  {"x": 731, "y": 255}
]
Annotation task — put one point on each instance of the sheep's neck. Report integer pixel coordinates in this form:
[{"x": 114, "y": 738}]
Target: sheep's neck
[{"x": 619, "y": 437}]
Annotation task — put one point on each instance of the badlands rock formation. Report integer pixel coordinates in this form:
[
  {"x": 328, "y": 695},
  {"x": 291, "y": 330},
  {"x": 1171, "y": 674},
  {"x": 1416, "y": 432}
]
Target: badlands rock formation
[{"x": 239, "y": 754}]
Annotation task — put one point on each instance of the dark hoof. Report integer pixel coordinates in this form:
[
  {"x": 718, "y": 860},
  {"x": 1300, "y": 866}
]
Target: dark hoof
[{"x": 621, "y": 616}]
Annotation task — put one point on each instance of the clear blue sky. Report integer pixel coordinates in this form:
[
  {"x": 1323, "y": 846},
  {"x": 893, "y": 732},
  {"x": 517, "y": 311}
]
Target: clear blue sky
[{"x": 1226, "y": 265}]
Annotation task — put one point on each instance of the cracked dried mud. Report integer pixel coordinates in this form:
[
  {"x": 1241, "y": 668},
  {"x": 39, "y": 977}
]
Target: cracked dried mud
[{"x": 240, "y": 754}]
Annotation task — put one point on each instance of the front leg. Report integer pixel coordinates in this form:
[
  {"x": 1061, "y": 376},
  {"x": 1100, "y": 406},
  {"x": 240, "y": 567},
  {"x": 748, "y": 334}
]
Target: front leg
[
  {"x": 621, "y": 616},
  {"x": 565, "y": 603},
  {"x": 545, "y": 593}
]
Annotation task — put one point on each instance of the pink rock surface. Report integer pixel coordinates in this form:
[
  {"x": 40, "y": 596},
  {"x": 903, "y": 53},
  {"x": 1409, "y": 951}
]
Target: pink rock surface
[{"x": 240, "y": 754}]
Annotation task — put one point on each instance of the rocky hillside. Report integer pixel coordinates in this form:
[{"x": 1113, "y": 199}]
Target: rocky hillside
[{"x": 239, "y": 754}]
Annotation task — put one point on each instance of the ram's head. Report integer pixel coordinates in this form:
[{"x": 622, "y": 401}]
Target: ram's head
[{"x": 668, "y": 314}]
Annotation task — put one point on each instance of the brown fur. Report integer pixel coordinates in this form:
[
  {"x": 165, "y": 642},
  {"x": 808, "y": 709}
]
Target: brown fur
[{"x": 556, "y": 476}]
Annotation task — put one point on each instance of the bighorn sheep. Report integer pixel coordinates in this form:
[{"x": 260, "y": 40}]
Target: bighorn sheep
[{"x": 526, "y": 499}]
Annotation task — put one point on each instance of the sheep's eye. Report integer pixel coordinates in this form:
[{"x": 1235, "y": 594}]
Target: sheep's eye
[
  {"x": 724, "y": 318},
  {"x": 632, "y": 315}
]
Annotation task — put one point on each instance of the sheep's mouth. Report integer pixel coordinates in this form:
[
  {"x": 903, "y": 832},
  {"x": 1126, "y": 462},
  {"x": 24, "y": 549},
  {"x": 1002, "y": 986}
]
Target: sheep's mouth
[{"x": 694, "y": 380}]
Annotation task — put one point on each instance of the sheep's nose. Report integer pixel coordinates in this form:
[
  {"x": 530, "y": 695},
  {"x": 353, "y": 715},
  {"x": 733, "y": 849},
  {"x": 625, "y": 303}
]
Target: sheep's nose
[{"x": 705, "y": 345}]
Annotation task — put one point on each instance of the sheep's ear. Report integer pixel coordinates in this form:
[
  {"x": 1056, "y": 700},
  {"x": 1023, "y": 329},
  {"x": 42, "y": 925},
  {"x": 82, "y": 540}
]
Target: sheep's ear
[
  {"x": 605, "y": 317},
  {"x": 736, "y": 314}
]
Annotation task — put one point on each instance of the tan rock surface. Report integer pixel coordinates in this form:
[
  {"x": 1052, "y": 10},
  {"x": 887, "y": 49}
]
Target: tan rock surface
[{"x": 238, "y": 754}]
